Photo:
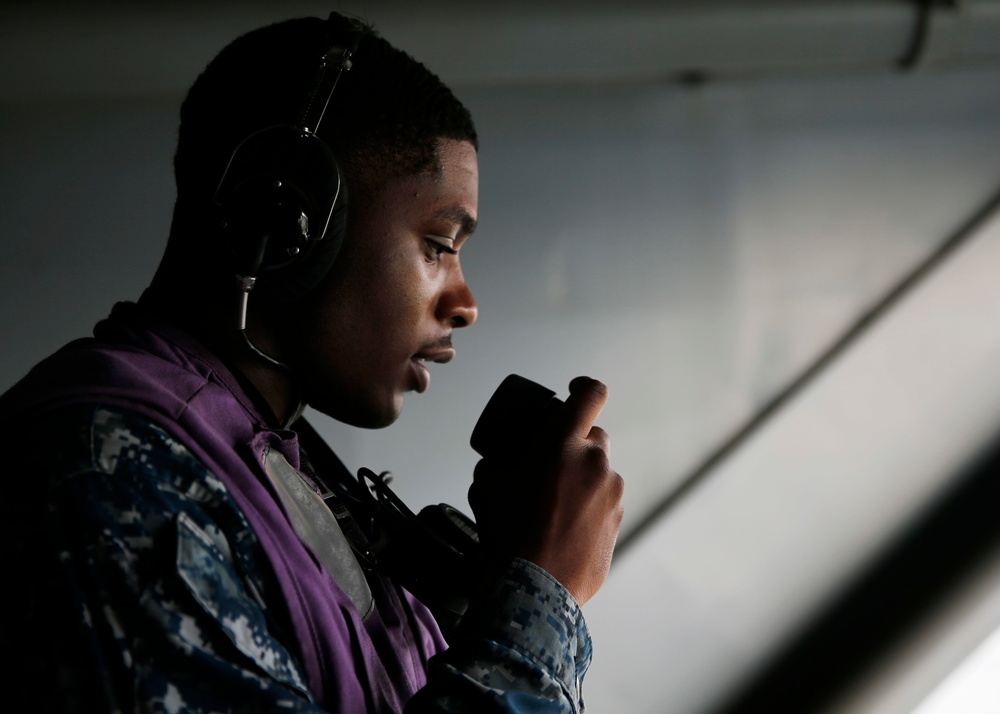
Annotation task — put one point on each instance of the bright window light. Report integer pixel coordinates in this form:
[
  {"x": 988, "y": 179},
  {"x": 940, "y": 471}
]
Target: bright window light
[{"x": 973, "y": 688}]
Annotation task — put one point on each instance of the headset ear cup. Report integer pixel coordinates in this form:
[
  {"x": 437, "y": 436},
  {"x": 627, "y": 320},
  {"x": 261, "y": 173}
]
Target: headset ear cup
[
  {"x": 282, "y": 192},
  {"x": 297, "y": 279},
  {"x": 282, "y": 200}
]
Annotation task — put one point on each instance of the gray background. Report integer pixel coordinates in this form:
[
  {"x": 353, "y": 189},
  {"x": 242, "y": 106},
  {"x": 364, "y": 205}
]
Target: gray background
[{"x": 689, "y": 201}]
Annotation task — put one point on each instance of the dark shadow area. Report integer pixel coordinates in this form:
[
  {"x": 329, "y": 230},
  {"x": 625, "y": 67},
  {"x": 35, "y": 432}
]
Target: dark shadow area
[{"x": 891, "y": 596}]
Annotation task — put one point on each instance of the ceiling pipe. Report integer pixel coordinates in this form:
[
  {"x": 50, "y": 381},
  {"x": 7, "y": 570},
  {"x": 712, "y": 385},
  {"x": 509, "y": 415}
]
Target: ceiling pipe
[{"x": 124, "y": 50}]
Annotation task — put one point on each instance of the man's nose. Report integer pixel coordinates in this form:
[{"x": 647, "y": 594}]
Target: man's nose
[{"x": 458, "y": 306}]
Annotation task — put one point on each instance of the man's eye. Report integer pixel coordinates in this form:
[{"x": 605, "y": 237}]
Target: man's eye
[{"x": 437, "y": 248}]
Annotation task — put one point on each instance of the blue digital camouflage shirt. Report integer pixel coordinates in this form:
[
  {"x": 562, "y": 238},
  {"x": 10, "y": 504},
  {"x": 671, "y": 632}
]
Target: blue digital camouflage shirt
[{"x": 134, "y": 583}]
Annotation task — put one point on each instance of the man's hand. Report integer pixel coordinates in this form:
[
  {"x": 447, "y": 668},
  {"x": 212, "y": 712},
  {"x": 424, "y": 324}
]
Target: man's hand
[{"x": 555, "y": 501}]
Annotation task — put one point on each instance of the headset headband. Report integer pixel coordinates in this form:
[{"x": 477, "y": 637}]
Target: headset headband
[{"x": 335, "y": 61}]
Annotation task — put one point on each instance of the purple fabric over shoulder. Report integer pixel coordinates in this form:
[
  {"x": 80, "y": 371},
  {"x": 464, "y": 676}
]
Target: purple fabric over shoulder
[{"x": 141, "y": 364}]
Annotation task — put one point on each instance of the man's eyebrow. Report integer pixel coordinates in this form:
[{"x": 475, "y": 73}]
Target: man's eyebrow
[{"x": 460, "y": 216}]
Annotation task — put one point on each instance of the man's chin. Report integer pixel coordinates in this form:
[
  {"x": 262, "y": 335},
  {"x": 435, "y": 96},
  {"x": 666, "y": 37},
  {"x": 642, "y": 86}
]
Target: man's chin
[{"x": 365, "y": 414}]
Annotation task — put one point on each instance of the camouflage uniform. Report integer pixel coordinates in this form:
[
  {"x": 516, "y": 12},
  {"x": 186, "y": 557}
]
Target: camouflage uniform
[{"x": 141, "y": 579}]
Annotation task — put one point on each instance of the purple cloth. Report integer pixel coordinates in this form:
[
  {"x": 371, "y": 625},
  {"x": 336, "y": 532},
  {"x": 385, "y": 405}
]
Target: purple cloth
[{"x": 149, "y": 367}]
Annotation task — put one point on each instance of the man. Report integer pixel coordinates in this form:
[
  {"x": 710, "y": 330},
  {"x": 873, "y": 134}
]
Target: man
[{"x": 164, "y": 516}]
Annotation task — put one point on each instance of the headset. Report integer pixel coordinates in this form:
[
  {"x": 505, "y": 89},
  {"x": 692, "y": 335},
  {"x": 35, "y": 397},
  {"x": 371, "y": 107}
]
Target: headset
[{"x": 282, "y": 201}]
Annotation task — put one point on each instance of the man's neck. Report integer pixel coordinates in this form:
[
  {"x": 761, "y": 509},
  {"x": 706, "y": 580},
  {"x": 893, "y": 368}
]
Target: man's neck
[{"x": 271, "y": 384}]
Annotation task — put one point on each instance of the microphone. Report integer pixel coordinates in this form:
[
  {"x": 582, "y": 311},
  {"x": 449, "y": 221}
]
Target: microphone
[
  {"x": 518, "y": 402},
  {"x": 435, "y": 554},
  {"x": 446, "y": 575}
]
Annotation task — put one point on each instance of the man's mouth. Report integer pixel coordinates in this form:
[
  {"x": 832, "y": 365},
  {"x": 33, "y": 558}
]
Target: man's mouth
[
  {"x": 439, "y": 351},
  {"x": 439, "y": 356}
]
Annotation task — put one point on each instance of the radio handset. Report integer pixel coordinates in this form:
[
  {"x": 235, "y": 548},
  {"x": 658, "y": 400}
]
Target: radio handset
[
  {"x": 518, "y": 402},
  {"x": 435, "y": 554}
]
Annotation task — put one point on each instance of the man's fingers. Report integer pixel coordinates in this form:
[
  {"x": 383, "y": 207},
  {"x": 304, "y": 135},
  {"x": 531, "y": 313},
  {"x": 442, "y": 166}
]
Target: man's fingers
[
  {"x": 599, "y": 438},
  {"x": 586, "y": 399}
]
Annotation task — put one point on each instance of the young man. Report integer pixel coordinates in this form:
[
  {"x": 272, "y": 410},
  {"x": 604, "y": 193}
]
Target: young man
[{"x": 164, "y": 516}]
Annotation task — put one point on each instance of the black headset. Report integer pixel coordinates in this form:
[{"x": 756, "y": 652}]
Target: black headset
[{"x": 282, "y": 200}]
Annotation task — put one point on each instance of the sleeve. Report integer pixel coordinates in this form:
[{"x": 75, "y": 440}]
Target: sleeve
[
  {"x": 141, "y": 595},
  {"x": 522, "y": 647}
]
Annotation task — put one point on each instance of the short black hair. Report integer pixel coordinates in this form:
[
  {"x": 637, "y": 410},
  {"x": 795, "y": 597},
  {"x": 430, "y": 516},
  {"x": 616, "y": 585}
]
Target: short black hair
[{"x": 384, "y": 121}]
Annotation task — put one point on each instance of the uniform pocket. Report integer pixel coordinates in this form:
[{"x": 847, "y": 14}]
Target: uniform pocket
[{"x": 206, "y": 568}]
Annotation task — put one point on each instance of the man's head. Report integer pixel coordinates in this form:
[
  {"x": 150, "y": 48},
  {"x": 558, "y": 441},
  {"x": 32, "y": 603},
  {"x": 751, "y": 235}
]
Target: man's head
[{"x": 407, "y": 148}]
